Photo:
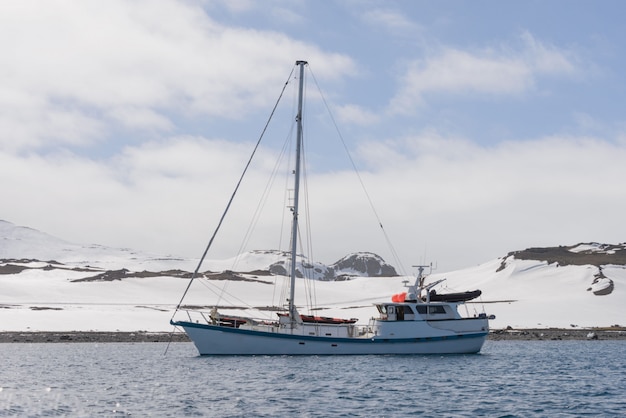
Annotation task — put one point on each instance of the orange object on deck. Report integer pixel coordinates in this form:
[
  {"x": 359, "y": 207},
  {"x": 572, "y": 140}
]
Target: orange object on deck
[{"x": 399, "y": 297}]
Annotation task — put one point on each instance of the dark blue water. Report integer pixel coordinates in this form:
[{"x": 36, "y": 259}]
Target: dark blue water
[{"x": 508, "y": 379}]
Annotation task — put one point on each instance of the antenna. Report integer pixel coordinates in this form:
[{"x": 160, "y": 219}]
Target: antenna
[{"x": 420, "y": 273}]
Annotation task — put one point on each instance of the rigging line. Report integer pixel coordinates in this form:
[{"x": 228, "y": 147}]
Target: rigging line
[
  {"x": 354, "y": 167},
  {"x": 286, "y": 216},
  {"x": 217, "y": 290},
  {"x": 283, "y": 289},
  {"x": 307, "y": 277},
  {"x": 307, "y": 247},
  {"x": 263, "y": 200},
  {"x": 232, "y": 197},
  {"x": 344, "y": 303},
  {"x": 286, "y": 203},
  {"x": 231, "y": 298},
  {"x": 167, "y": 347}
]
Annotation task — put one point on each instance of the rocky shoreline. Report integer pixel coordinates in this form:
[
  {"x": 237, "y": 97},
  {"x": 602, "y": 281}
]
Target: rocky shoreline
[
  {"x": 508, "y": 334},
  {"x": 91, "y": 337},
  {"x": 613, "y": 333}
]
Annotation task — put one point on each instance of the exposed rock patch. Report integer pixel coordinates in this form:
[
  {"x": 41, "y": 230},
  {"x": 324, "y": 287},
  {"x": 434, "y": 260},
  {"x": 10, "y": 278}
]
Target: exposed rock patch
[
  {"x": 15, "y": 266},
  {"x": 357, "y": 264},
  {"x": 595, "y": 254},
  {"x": 110, "y": 275},
  {"x": 365, "y": 264},
  {"x": 601, "y": 284},
  {"x": 582, "y": 254}
]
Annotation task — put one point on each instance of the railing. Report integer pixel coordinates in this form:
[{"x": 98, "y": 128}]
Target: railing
[
  {"x": 265, "y": 325},
  {"x": 213, "y": 318}
]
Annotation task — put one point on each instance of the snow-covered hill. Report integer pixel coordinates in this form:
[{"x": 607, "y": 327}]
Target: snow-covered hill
[
  {"x": 49, "y": 284},
  {"x": 19, "y": 242}
]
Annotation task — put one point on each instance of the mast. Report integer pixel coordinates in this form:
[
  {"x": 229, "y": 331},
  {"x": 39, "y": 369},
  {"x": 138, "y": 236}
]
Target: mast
[{"x": 296, "y": 195}]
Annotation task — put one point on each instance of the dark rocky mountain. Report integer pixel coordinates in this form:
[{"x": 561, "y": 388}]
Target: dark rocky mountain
[{"x": 362, "y": 264}]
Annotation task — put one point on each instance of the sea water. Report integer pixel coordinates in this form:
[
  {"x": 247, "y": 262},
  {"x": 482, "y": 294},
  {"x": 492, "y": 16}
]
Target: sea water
[{"x": 507, "y": 379}]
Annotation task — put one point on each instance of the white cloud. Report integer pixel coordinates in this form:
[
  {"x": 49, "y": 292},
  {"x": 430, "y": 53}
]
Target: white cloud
[
  {"x": 547, "y": 59},
  {"x": 237, "y": 6},
  {"x": 283, "y": 14},
  {"x": 34, "y": 122},
  {"x": 391, "y": 20},
  {"x": 486, "y": 72},
  {"x": 444, "y": 199},
  {"x": 354, "y": 114},
  {"x": 141, "y": 118},
  {"x": 159, "y": 196},
  {"x": 77, "y": 69},
  {"x": 458, "y": 198}
]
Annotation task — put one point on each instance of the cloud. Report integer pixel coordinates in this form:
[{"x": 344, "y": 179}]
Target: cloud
[
  {"x": 440, "y": 198},
  {"x": 354, "y": 114},
  {"x": 456, "y": 197},
  {"x": 28, "y": 122},
  {"x": 491, "y": 72},
  {"x": 140, "y": 118},
  {"x": 391, "y": 20},
  {"x": 159, "y": 195},
  {"x": 237, "y": 6},
  {"x": 79, "y": 71},
  {"x": 283, "y": 14}
]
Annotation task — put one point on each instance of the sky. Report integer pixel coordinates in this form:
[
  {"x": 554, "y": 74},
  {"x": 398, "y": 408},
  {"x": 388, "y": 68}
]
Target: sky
[{"x": 477, "y": 127}]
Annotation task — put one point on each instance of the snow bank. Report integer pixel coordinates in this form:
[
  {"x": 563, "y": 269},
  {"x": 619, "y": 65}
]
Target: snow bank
[{"x": 45, "y": 297}]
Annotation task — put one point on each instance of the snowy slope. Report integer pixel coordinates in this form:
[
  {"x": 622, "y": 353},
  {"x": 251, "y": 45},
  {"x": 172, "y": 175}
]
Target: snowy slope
[
  {"x": 18, "y": 242},
  {"x": 534, "y": 294},
  {"x": 47, "y": 294}
]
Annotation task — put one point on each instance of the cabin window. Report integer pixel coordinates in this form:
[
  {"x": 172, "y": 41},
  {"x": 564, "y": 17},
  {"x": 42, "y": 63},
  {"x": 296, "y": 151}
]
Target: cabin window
[
  {"x": 432, "y": 310},
  {"x": 400, "y": 313},
  {"x": 409, "y": 314},
  {"x": 437, "y": 309},
  {"x": 397, "y": 312}
]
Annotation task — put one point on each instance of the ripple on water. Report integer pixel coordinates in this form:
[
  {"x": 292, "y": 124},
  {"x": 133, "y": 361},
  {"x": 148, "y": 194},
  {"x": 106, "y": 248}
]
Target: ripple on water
[{"x": 509, "y": 378}]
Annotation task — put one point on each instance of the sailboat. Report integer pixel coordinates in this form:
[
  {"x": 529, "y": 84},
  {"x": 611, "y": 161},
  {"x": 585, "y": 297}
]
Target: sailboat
[{"x": 412, "y": 322}]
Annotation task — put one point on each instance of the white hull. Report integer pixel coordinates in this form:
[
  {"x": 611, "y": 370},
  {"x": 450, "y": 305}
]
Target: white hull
[{"x": 217, "y": 340}]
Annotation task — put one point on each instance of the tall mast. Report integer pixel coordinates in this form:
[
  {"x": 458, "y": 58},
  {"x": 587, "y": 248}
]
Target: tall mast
[{"x": 296, "y": 195}]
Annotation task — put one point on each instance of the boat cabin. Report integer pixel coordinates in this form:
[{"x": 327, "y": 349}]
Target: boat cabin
[{"x": 415, "y": 311}]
